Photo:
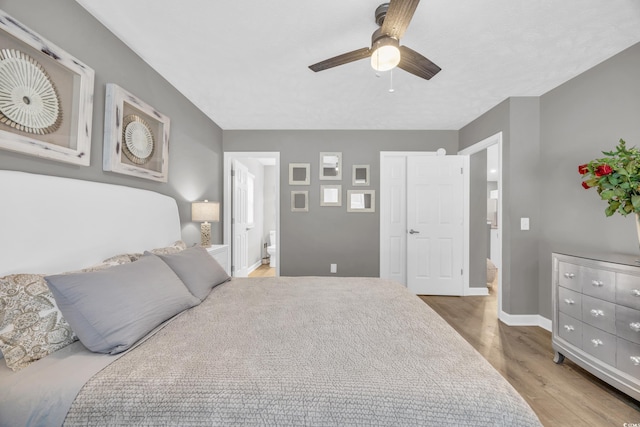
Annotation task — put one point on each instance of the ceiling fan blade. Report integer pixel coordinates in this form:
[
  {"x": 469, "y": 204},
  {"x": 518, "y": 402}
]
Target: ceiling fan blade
[
  {"x": 398, "y": 17},
  {"x": 414, "y": 63},
  {"x": 345, "y": 58}
]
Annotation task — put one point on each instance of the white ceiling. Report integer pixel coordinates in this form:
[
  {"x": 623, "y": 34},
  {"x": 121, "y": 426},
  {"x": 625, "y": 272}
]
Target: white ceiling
[{"x": 244, "y": 63}]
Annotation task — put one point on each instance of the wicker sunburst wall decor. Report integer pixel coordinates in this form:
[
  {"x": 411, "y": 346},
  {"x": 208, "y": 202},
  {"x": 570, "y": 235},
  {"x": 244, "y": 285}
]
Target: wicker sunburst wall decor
[
  {"x": 28, "y": 99},
  {"x": 46, "y": 97},
  {"x": 138, "y": 139}
]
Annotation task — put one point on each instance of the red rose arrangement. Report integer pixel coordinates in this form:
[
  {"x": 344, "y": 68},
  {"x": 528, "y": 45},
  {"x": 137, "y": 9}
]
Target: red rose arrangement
[{"x": 616, "y": 178}]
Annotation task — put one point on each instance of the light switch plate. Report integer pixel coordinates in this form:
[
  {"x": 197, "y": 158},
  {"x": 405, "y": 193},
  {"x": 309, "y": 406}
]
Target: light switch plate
[
  {"x": 524, "y": 223},
  {"x": 334, "y": 268}
]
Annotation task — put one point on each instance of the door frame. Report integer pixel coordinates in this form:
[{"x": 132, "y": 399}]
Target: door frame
[
  {"x": 229, "y": 157},
  {"x": 476, "y": 148},
  {"x": 384, "y": 258}
]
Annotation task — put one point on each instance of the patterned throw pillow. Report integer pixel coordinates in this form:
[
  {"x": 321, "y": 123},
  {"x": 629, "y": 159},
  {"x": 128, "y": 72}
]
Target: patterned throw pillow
[
  {"x": 175, "y": 248},
  {"x": 31, "y": 325},
  {"x": 127, "y": 258}
]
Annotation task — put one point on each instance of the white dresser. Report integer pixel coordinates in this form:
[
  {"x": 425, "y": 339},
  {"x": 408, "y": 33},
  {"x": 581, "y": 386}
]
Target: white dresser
[
  {"x": 596, "y": 317},
  {"x": 221, "y": 254}
]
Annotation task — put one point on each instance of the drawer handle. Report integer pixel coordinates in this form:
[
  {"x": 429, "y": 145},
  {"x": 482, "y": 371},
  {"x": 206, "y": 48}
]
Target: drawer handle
[
  {"x": 635, "y": 360},
  {"x": 597, "y": 283},
  {"x": 635, "y": 326},
  {"x": 569, "y": 301},
  {"x": 596, "y": 342},
  {"x": 569, "y": 275},
  {"x": 569, "y": 328},
  {"x": 635, "y": 293},
  {"x": 597, "y": 313}
]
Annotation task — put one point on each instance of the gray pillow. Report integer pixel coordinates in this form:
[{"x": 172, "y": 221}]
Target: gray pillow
[
  {"x": 197, "y": 270},
  {"x": 110, "y": 310}
]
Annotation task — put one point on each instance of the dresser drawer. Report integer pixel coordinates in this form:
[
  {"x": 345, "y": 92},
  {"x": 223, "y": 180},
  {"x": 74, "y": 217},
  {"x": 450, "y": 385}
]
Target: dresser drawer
[
  {"x": 598, "y": 283},
  {"x": 599, "y": 344},
  {"x": 628, "y": 290},
  {"x": 599, "y": 313},
  {"x": 628, "y": 357},
  {"x": 570, "y": 302},
  {"x": 628, "y": 323},
  {"x": 569, "y": 276},
  {"x": 570, "y": 329}
]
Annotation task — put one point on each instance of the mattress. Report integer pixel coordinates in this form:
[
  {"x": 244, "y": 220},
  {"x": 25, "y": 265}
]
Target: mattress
[{"x": 302, "y": 351}]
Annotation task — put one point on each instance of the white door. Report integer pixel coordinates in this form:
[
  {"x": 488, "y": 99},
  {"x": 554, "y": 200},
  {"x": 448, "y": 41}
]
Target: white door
[
  {"x": 239, "y": 220},
  {"x": 435, "y": 225},
  {"x": 393, "y": 218}
]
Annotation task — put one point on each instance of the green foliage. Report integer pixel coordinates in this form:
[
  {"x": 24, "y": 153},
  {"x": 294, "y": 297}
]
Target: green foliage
[{"x": 616, "y": 178}]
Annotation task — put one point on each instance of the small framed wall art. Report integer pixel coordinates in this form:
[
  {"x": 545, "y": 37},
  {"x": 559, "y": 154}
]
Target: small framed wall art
[
  {"x": 331, "y": 195},
  {"x": 299, "y": 173},
  {"x": 299, "y": 201},
  {"x": 361, "y": 201},
  {"x": 46, "y": 97},
  {"x": 331, "y": 166},
  {"x": 136, "y": 136}
]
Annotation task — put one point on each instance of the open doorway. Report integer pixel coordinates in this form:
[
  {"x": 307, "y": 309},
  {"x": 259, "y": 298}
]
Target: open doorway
[
  {"x": 252, "y": 207},
  {"x": 488, "y": 220}
]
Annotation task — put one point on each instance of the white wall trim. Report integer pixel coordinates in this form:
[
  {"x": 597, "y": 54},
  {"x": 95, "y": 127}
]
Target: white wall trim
[
  {"x": 481, "y": 291},
  {"x": 525, "y": 320},
  {"x": 254, "y": 267},
  {"x": 475, "y": 148},
  {"x": 229, "y": 156}
]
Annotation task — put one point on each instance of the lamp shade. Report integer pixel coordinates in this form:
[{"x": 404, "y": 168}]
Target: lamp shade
[{"x": 205, "y": 211}]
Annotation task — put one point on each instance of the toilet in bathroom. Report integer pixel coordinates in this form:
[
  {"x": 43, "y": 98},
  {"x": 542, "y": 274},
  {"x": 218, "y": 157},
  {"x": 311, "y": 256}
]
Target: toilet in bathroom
[{"x": 271, "y": 249}]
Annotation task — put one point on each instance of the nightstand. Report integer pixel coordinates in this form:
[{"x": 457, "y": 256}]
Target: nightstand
[{"x": 221, "y": 254}]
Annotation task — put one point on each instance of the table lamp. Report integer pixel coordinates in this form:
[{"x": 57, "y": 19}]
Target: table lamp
[{"x": 204, "y": 212}]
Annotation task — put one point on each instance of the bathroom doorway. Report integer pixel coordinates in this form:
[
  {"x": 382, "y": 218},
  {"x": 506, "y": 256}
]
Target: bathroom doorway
[
  {"x": 490, "y": 216},
  {"x": 251, "y": 212}
]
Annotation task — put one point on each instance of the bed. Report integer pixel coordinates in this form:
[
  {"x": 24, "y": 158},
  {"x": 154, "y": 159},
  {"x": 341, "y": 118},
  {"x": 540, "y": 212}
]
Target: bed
[{"x": 269, "y": 351}]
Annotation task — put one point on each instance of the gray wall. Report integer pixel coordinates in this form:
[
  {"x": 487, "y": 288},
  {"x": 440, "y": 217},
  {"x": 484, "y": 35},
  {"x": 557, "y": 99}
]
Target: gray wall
[
  {"x": 195, "y": 148},
  {"x": 579, "y": 120},
  {"x": 311, "y": 241},
  {"x": 519, "y": 121},
  {"x": 479, "y": 239},
  {"x": 269, "y": 201}
]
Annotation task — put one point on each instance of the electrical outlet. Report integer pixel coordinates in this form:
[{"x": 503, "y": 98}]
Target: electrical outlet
[
  {"x": 524, "y": 223},
  {"x": 334, "y": 268}
]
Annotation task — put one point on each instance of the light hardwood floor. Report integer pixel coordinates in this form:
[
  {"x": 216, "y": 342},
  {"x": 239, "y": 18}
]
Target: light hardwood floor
[
  {"x": 561, "y": 395},
  {"x": 263, "y": 271}
]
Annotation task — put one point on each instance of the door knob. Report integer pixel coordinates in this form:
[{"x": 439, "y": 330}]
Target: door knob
[{"x": 412, "y": 231}]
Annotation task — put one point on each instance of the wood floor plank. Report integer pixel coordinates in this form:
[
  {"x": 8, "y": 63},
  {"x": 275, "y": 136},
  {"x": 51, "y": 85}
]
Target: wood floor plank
[{"x": 561, "y": 395}]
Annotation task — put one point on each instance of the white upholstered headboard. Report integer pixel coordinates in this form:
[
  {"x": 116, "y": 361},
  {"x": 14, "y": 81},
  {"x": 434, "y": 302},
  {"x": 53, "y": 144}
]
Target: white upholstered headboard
[{"x": 52, "y": 225}]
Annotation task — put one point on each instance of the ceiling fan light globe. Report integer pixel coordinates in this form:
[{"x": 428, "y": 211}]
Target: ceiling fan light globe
[{"x": 385, "y": 58}]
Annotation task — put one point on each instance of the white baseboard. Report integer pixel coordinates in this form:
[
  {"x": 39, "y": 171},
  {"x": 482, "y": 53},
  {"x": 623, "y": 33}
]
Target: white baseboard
[
  {"x": 479, "y": 291},
  {"x": 254, "y": 267},
  {"x": 525, "y": 320}
]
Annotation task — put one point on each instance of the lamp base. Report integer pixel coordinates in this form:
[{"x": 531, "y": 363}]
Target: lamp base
[{"x": 205, "y": 234}]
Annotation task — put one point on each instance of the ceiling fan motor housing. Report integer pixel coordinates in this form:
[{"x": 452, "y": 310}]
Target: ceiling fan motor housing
[
  {"x": 378, "y": 39},
  {"x": 381, "y": 12}
]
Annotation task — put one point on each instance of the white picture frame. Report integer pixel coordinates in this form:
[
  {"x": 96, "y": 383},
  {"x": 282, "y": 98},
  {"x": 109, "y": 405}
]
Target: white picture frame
[
  {"x": 68, "y": 139},
  {"x": 331, "y": 195},
  {"x": 299, "y": 201},
  {"x": 361, "y": 201},
  {"x": 299, "y": 173},
  {"x": 120, "y": 107},
  {"x": 360, "y": 175},
  {"x": 331, "y": 166}
]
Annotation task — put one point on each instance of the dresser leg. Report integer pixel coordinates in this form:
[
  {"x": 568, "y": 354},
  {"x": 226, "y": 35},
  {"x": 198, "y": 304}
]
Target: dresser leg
[{"x": 558, "y": 357}]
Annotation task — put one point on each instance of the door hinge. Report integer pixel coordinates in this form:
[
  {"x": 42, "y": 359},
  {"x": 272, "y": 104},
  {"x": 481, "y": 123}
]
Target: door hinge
[
  {"x": 462, "y": 171},
  {"x": 461, "y": 272},
  {"x": 233, "y": 268},
  {"x": 233, "y": 173}
]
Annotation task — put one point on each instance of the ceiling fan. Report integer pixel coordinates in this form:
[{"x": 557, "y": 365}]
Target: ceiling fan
[{"x": 385, "y": 51}]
